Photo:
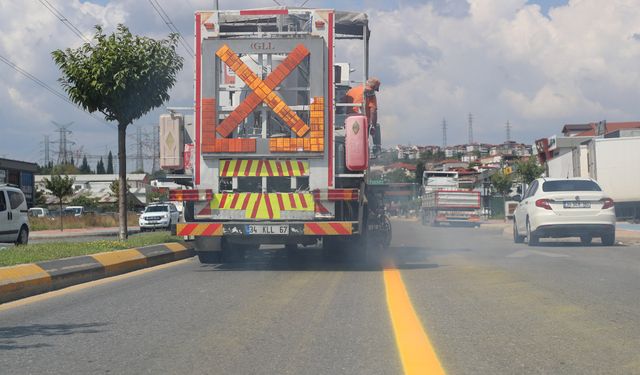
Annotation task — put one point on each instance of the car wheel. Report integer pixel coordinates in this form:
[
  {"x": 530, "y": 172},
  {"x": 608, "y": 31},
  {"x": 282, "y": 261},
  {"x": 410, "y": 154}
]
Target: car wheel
[
  {"x": 23, "y": 236},
  {"x": 585, "y": 239},
  {"x": 532, "y": 238},
  {"x": 609, "y": 239},
  {"x": 517, "y": 238}
]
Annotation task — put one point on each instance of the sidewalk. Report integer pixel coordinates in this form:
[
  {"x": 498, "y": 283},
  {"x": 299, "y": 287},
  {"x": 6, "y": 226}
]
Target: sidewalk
[{"x": 78, "y": 232}]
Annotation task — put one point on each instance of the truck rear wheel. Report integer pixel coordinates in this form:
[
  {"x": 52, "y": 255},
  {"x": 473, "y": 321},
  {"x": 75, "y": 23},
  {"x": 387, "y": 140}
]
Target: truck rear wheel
[
  {"x": 232, "y": 253},
  {"x": 209, "y": 257}
]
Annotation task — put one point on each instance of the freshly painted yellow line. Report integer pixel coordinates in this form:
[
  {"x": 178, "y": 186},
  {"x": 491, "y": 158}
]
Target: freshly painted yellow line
[
  {"x": 175, "y": 247},
  {"x": 91, "y": 284},
  {"x": 23, "y": 275},
  {"x": 416, "y": 352},
  {"x": 120, "y": 260}
]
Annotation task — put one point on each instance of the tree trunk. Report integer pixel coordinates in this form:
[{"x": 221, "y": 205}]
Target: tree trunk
[
  {"x": 123, "y": 190},
  {"x": 61, "y": 227}
]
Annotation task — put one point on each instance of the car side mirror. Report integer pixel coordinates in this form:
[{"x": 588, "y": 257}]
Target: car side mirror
[{"x": 516, "y": 198}]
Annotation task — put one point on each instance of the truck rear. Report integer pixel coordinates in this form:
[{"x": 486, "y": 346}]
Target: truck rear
[
  {"x": 274, "y": 155},
  {"x": 444, "y": 202}
]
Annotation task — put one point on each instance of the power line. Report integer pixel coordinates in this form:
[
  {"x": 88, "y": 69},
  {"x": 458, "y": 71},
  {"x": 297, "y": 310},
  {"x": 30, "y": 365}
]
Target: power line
[
  {"x": 49, "y": 88},
  {"x": 167, "y": 20},
  {"x": 64, "y": 20}
]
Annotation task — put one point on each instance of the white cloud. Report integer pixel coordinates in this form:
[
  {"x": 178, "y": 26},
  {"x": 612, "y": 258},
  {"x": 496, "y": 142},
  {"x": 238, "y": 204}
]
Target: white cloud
[{"x": 499, "y": 59}]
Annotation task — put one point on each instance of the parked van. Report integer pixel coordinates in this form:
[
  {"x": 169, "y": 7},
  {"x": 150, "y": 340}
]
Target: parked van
[{"x": 14, "y": 219}]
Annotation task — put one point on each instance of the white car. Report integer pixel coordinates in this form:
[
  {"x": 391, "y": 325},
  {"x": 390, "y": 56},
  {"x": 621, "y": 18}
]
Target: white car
[
  {"x": 38, "y": 212},
  {"x": 159, "y": 216},
  {"x": 575, "y": 207},
  {"x": 14, "y": 219}
]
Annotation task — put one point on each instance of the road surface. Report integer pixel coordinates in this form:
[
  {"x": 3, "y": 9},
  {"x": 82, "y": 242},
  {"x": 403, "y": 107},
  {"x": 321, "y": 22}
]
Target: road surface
[{"x": 483, "y": 305}]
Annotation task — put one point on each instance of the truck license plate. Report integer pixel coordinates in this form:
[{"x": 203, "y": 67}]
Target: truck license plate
[{"x": 267, "y": 229}]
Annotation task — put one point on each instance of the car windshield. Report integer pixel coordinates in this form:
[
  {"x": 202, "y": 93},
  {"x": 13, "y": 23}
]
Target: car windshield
[
  {"x": 72, "y": 210},
  {"x": 570, "y": 185},
  {"x": 157, "y": 209}
]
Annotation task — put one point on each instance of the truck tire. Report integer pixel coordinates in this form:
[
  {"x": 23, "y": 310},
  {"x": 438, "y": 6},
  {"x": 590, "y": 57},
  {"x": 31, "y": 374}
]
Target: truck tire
[
  {"x": 209, "y": 257},
  {"x": 232, "y": 253}
]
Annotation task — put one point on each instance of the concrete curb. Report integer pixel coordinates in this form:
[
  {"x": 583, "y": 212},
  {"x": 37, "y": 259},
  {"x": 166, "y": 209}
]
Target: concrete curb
[{"x": 26, "y": 280}]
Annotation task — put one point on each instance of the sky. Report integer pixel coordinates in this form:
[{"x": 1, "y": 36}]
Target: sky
[{"x": 537, "y": 64}]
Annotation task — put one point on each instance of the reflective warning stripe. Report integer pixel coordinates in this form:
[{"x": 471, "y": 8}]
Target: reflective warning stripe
[
  {"x": 263, "y": 206},
  {"x": 199, "y": 229},
  {"x": 263, "y": 168},
  {"x": 328, "y": 228},
  {"x": 336, "y": 195},
  {"x": 190, "y": 195}
]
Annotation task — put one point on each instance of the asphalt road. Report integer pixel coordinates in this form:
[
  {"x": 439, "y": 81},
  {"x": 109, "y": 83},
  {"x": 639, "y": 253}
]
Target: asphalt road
[{"x": 488, "y": 306}]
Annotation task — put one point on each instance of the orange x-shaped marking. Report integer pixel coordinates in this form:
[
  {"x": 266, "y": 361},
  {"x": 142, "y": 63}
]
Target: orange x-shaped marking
[{"x": 262, "y": 90}]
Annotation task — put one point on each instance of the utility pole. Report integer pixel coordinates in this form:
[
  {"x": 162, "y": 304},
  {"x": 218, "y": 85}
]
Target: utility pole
[
  {"x": 155, "y": 139},
  {"x": 64, "y": 156},
  {"x": 46, "y": 151},
  {"x": 508, "y": 128},
  {"x": 139, "y": 160},
  {"x": 444, "y": 133},
  {"x": 470, "y": 129}
]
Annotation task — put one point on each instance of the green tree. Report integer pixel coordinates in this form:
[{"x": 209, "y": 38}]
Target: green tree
[
  {"x": 110, "y": 163},
  {"x": 41, "y": 198},
  {"x": 84, "y": 167},
  {"x": 65, "y": 169},
  {"x": 502, "y": 184},
  {"x": 398, "y": 175},
  {"x": 528, "y": 170},
  {"x": 100, "y": 167},
  {"x": 115, "y": 189},
  {"x": 123, "y": 76},
  {"x": 60, "y": 187},
  {"x": 84, "y": 200}
]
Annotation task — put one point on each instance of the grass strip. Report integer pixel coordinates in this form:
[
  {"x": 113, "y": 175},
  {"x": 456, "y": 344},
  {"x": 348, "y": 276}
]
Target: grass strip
[{"x": 55, "y": 250}]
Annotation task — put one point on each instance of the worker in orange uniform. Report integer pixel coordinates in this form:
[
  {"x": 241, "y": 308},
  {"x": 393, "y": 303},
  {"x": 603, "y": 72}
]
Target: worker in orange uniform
[{"x": 367, "y": 92}]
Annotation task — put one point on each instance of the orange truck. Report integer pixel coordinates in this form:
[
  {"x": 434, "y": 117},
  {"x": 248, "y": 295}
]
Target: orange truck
[{"x": 272, "y": 155}]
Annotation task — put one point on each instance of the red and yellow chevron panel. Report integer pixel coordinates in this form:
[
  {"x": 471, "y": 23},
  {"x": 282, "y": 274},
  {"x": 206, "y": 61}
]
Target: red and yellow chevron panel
[
  {"x": 263, "y": 205},
  {"x": 335, "y": 228},
  {"x": 263, "y": 168},
  {"x": 199, "y": 229},
  {"x": 263, "y": 90}
]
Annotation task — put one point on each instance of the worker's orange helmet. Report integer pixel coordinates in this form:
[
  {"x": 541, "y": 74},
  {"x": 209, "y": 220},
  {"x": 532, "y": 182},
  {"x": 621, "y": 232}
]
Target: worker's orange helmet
[{"x": 374, "y": 83}]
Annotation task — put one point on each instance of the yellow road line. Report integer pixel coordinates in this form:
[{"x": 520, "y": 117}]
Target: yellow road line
[{"x": 416, "y": 352}]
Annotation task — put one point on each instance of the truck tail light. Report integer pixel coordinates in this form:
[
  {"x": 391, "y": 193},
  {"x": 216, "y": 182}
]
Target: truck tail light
[
  {"x": 606, "y": 203},
  {"x": 544, "y": 203}
]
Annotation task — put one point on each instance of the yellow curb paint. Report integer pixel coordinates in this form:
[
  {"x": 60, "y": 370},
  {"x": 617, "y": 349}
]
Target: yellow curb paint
[
  {"x": 25, "y": 275},
  {"x": 416, "y": 352},
  {"x": 175, "y": 247},
  {"x": 120, "y": 260},
  {"x": 88, "y": 285}
]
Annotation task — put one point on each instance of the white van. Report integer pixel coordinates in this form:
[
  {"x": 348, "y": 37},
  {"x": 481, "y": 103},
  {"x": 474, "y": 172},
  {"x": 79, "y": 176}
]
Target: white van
[
  {"x": 14, "y": 219},
  {"x": 38, "y": 212}
]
